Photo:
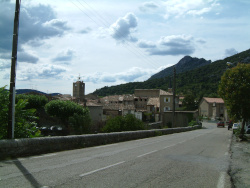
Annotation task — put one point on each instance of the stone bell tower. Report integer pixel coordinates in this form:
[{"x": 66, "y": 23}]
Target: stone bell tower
[{"x": 79, "y": 90}]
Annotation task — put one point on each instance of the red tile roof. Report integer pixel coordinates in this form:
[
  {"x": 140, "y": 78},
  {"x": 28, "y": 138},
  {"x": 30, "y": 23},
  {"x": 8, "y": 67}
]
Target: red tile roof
[{"x": 214, "y": 100}]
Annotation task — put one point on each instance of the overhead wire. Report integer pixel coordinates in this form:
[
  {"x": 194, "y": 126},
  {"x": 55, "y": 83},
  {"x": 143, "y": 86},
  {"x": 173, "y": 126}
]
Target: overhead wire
[
  {"x": 130, "y": 46},
  {"x": 107, "y": 25}
]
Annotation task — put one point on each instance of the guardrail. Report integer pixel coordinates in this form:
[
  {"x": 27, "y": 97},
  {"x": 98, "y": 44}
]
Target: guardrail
[{"x": 34, "y": 146}]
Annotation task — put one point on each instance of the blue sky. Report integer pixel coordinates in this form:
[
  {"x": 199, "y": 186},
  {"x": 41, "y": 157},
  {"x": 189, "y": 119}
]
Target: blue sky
[{"x": 109, "y": 42}]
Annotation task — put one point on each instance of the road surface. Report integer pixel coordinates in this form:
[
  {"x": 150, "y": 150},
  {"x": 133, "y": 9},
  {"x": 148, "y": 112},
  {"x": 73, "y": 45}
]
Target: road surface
[{"x": 197, "y": 158}]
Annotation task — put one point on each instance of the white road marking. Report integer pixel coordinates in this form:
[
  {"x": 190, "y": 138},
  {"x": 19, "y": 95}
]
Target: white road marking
[
  {"x": 105, "y": 146},
  {"x": 221, "y": 182},
  {"x": 181, "y": 142},
  {"x": 147, "y": 153},
  {"x": 49, "y": 155},
  {"x": 169, "y": 146},
  {"x": 97, "y": 170}
]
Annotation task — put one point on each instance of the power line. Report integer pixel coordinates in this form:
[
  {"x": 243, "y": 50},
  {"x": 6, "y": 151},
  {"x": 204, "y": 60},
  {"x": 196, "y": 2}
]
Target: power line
[{"x": 130, "y": 47}]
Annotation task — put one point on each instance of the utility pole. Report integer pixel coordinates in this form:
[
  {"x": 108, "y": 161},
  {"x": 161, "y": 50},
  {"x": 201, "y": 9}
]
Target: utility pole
[
  {"x": 173, "y": 120},
  {"x": 12, "y": 92}
]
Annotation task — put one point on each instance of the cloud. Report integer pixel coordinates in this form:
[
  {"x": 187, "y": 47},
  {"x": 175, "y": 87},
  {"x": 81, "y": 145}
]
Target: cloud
[
  {"x": 146, "y": 44},
  {"x": 26, "y": 57},
  {"x": 132, "y": 75},
  {"x": 148, "y": 7},
  {"x": 4, "y": 65},
  {"x": 230, "y": 52},
  {"x": 199, "y": 12},
  {"x": 85, "y": 30},
  {"x": 44, "y": 71},
  {"x": 57, "y": 24},
  {"x": 121, "y": 30},
  {"x": 36, "y": 23},
  {"x": 201, "y": 41},
  {"x": 180, "y": 8},
  {"x": 64, "y": 56},
  {"x": 174, "y": 45}
]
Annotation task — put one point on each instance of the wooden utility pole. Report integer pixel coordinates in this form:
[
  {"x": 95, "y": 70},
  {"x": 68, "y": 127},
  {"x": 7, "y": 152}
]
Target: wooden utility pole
[
  {"x": 173, "y": 120},
  {"x": 12, "y": 91}
]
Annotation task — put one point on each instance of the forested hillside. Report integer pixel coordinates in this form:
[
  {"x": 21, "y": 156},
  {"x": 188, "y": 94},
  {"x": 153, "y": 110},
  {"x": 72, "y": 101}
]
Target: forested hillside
[
  {"x": 202, "y": 81},
  {"x": 185, "y": 64}
]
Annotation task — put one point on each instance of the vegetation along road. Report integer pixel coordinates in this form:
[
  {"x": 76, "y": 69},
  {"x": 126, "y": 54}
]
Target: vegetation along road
[{"x": 197, "y": 158}]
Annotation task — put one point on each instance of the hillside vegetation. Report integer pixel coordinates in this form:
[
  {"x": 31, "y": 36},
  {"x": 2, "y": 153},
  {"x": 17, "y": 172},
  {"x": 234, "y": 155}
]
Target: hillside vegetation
[
  {"x": 185, "y": 64},
  {"x": 202, "y": 81}
]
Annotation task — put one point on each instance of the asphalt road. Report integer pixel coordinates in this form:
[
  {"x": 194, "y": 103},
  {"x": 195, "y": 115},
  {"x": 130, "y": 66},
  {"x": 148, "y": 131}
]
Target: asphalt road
[{"x": 198, "y": 158}]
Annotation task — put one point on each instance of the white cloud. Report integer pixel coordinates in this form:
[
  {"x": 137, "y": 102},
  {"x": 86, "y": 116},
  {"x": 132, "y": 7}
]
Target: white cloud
[
  {"x": 86, "y": 30},
  {"x": 180, "y": 8},
  {"x": 64, "y": 56},
  {"x": 131, "y": 75},
  {"x": 23, "y": 56},
  {"x": 122, "y": 29},
  {"x": 230, "y": 52},
  {"x": 43, "y": 71},
  {"x": 57, "y": 24},
  {"x": 146, "y": 44},
  {"x": 174, "y": 45},
  {"x": 149, "y": 6}
]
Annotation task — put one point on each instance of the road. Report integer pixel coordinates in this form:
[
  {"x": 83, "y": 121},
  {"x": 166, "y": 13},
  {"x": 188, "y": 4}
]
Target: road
[{"x": 197, "y": 158}]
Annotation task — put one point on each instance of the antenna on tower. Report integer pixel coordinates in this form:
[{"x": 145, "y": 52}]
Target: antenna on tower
[{"x": 79, "y": 77}]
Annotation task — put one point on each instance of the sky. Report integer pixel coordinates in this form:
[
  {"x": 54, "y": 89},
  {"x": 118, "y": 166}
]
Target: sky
[{"x": 111, "y": 42}]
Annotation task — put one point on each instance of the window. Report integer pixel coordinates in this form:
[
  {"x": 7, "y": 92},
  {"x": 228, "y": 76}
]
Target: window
[
  {"x": 166, "y": 108},
  {"x": 166, "y": 99}
]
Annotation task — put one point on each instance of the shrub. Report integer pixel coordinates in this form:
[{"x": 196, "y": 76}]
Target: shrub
[
  {"x": 192, "y": 123},
  {"x": 34, "y": 101},
  {"x": 63, "y": 109},
  {"x": 25, "y": 126},
  {"x": 74, "y": 116},
  {"x": 123, "y": 123},
  {"x": 80, "y": 123}
]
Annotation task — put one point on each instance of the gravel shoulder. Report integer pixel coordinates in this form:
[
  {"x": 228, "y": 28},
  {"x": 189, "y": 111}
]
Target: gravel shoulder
[{"x": 240, "y": 163}]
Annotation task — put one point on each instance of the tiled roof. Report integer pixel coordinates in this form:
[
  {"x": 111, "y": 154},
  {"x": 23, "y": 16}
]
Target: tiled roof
[
  {"x": 214, "y": 100},
  {"x": 154, "y": 101}
]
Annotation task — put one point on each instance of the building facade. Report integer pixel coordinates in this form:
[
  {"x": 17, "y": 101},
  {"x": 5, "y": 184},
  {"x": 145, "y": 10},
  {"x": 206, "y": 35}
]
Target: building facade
[{"x": 213, "y": 108}]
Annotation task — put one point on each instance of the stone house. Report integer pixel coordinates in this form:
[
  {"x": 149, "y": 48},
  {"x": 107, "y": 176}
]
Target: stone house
[{"x": 213, "y": 108}]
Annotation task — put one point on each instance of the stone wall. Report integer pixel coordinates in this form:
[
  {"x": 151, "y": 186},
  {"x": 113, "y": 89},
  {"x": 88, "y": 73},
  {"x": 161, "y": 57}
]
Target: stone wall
[{"x": 35, "y": 146}]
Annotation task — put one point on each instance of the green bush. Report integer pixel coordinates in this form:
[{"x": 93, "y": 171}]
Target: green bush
[
  {"x": 74, "y": 116},
  {"x": 34, "y": 101},
  {"x": 192, "y": 123},
  {"x": 80, "y": 123},
  {"x": 63, "y": 109},
  {"x": 25, "y": 125},
  {"x": 123, "y": 123}
]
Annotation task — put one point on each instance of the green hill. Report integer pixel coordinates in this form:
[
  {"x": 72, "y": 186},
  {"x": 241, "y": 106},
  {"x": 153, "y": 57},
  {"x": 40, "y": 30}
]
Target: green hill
[
  {"x": 202, "y": 81},
  {"x": 185, "y": 64}
]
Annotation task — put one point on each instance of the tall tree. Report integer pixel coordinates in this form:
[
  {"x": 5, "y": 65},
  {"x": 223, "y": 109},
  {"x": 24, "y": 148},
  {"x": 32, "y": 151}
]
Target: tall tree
[{"x": 234, "y": 89}]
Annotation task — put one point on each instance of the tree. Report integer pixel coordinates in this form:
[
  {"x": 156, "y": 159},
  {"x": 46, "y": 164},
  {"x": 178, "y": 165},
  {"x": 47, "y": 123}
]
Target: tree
[
  {"x": 73, "y": 115},
  {"x": 63, "y": 109},
  {"x": 80, "y": 123},
  {"x": 34, "y": 101},
  {"x": 25, "y": 125},
  {"x": 234, "y": 88},
  {"x": 189, "y": 101}
]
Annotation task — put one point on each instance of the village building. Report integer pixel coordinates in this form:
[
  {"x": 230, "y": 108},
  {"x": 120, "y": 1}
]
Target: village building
[{"x": 213, "y": 108}]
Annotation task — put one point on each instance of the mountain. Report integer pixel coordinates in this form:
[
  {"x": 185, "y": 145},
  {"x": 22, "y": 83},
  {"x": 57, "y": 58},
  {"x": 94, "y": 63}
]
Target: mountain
[
  {"x": 185, "y": 64},
  {"x": 23, "y": 91},
  {"x": 202, "y": 81}
]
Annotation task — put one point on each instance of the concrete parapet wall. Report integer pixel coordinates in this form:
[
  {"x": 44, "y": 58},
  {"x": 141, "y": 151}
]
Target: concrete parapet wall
[{"x": 35, "y": 146}]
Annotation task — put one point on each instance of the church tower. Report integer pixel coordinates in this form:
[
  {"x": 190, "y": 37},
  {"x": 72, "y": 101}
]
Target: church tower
[{"x": 79, "y": 90}]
